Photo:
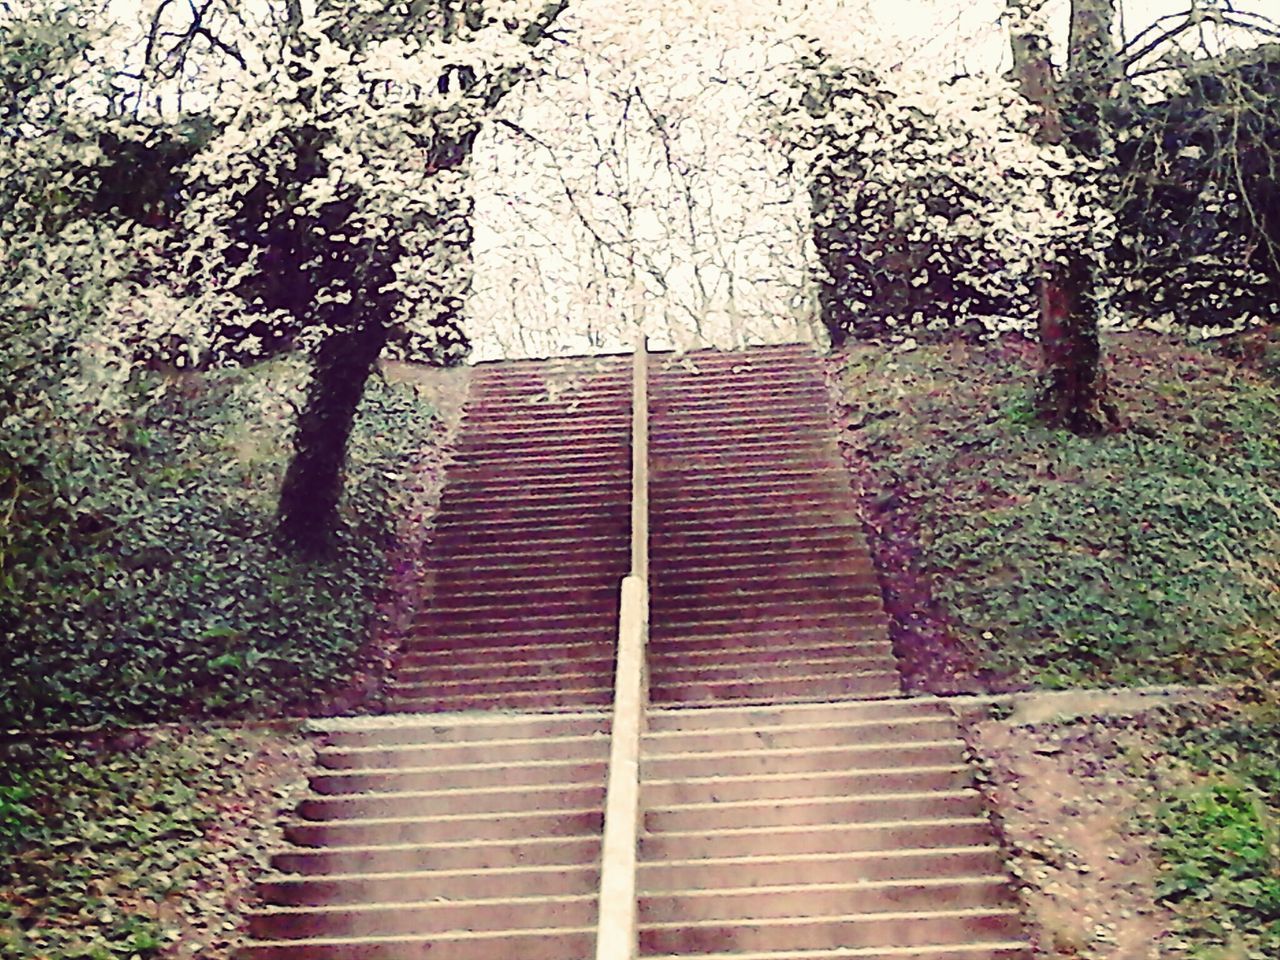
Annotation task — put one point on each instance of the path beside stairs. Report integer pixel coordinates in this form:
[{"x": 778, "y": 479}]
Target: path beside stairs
[{"x": 796, "y": 806}]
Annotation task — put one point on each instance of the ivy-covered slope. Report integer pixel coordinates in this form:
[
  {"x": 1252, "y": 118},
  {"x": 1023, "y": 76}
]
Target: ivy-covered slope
[{"x": 1148, "y": 556}]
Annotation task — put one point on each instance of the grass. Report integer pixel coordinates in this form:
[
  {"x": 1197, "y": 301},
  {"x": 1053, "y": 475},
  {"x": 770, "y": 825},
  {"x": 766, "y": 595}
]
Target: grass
[
  {"x": 115, "y": 849},
  {"x": 1150, "y": 556},
  {"x": 1216, "y": 826},
  {"x": 159, "y": 593}
]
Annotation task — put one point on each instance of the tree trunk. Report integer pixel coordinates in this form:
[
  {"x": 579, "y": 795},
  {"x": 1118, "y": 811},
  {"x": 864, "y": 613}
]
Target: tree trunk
[
  {"x": 1073, "y": 392},
  {"x": 1073, "y": 386},
  {"x": 308, "y": 512}
]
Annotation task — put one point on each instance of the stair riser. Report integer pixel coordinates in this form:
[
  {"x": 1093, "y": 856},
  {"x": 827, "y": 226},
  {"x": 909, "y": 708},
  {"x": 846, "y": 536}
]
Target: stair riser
[
  {"x": 680, "y": 675},
  {"x": 338, "y": 833},
  {"x": 568, "y": 701},
  {"x": 748, "y": 906},
  {"x": 498, "y": 688},
  {"x": 322, "y": 891},
  {"x": 402, "y": 920},
  {"x": 475, "y": 734},
  {"x": 657, "y": 877},
  {"x": 774, "y": 689},
  {"x": 571, "y": 852},
  {"x": 515, "y": 670},
  {"x": 878, "y": 757},
  {"x": 829, "y": 934},
  {"x": 456, "y": 754},
  {"x": 497, "y": 655},
  {"x": 802, "y": 738},
  {"x": 449, "y": 802},
  {"x": 679, "y": 721},
  {"x": 812, "y": 813},
  {"x": 845, "y": 839},
  {"x": 817, "y": 786}
]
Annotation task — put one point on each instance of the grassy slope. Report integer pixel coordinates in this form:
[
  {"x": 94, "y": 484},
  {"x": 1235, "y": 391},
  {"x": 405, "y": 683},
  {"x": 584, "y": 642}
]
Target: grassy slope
[
  {"x": 1150, "y": 556},
  {"x": 172, "y": 601}
]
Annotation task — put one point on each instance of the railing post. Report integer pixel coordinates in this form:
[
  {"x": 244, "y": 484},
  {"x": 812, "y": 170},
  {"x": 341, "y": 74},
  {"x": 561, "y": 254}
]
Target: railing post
[
  {"x": 640, "y": 461},
  {"x": 617, "y": 933}
]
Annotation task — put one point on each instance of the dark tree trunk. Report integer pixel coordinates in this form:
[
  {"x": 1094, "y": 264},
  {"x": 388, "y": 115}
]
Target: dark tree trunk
[
  {"x": 308, "y": 512},
  {"x": 1073, "y": 388}
]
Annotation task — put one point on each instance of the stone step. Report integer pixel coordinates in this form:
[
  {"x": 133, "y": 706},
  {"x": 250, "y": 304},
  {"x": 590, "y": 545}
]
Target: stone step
[
  {"x": 814, "y": 899},
  {"x": 790, "y": 786},
  {"x": 709, "y": 874},
  {"x": 823, "y": 728},
  {"x": 746, "y": 658},
  {"x": 574, "y": 680},
  {"x": 815, "y": 811},
  {"x": 473, "y": 856},
  {"x": 815, "y": 689},
  {"x": 550, "y": 944},
  {"x": 836, "y": 931},
  {"x": 808, "y": 839},
  {"x": 382, "y": 732},
  {"x": 354, "y": 888},
  {"x": 785, "y": 714},
  {"x": 416, "y": 919},
  {"x": 461, "y": 753},
  {"x": 517, "y": 700},
  {"x": 663, "y": 765},
  {"x": 384, "y": 830},
  {"x": 505, "y": 669},
  {"x": 497, "y": 655},
  {"x": 985, "y": 950},
  {"x": 673, "y": 673}
]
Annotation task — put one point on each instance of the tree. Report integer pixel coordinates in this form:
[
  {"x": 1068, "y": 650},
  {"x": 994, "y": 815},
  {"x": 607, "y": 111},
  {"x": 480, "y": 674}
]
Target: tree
[
  {"x": 334, "y": 200},
  {"x": 1073, "y": 392}
]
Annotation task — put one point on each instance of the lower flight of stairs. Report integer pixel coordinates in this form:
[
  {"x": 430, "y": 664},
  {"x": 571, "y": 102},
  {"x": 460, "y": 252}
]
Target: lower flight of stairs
[
  {"x": 818, "y": 832},
  {"x": 453, "y": 838}
]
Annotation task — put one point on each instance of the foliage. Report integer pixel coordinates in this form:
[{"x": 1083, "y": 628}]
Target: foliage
[
  {"x": 1218, "y": 833},
  {"x": 1198, "y": 200},
  {"x": 932, "y": 202},
  {"x": 157, "y": 591},
  {"x": 1145, "y": 558},
  {"x": 102, "y": 855}
]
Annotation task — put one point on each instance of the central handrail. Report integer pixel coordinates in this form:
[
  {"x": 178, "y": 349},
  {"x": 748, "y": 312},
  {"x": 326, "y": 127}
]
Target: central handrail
[{"x": 617, "y": 928}]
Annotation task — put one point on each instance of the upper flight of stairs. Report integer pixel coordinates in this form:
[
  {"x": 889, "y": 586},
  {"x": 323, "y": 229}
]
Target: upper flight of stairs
[
  {"x": 795, "y": 805},
  {"x": 763, "y": 588}
]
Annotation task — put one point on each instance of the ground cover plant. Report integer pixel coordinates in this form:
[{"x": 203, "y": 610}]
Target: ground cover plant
[
  {"x": 157, "y": 591},
  {"x": 1217, "y": 829},
  {"x": 1146, "y": 556},
  {"x": 137, "y": 845}
]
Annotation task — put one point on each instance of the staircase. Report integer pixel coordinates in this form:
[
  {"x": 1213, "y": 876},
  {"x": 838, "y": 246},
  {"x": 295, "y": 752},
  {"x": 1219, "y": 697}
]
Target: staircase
[{"x": 794, "y": 805}]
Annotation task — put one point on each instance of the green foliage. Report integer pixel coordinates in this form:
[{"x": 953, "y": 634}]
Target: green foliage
[
  {"x": 1219, "y": 838},
  {"x": 98, "y": 851},
  {"x": 1145, "y": 557},
  {"x": 140, "y": 576}
]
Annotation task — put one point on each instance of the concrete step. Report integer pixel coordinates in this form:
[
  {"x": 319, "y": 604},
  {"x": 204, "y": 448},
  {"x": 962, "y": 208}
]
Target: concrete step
[
  {"x": 355, "y": 888},
  {"x": 517, "y": 700},
  {"x": 550, "y": 944},
  {"x": 495, "y": 656},
  {"x": 590, "y": 746},
  {"x": 673, "y": 658},
  {"x": 907, "y": 929},
  {"x": 672, "y": 765},
  {"x": 457, "y": 641},
  {"x": 430, "y": 917},
  {"x": 673, "y": 673},
  {"x": 708, "y": 874},
  {"x": 471, "y": 856},
  {"x": 807, "y": 839},
  {"x": 398, "y": 731},
  {"x": 378, "y": 831},
  {"x": 986, "y": 950},
  {"x": 791, "y": 786},
  {"x": 831, "y": 727},
  {"x": 824, "y": 899},
  {"x": 815, "y": 689},
  {"x": 505, "y": 669},
  {"x": 816, "y": 811}
]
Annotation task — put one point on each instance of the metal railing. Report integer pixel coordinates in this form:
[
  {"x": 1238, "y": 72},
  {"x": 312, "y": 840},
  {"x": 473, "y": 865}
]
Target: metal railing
[{"x": 617, "y": 933}]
